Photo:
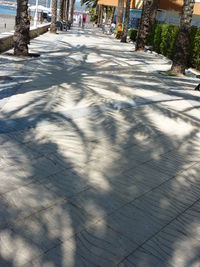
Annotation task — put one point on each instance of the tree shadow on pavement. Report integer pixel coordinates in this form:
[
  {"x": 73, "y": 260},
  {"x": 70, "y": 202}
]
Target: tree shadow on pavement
[{"x": 97, "y": 168}]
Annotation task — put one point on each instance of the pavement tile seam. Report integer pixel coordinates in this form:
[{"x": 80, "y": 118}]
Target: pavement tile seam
[
  {"x": 132, "y": 201},
  {"x": 120, "y": 65},
  {"x": 160, "y": 247},
  {"x": 76, "y": 235},
  {"x": 85, "y": 230},
  {"x": 140, "y": 163},
  {"x": 167, "y": 180},
  {"x": 13, "y": 164},
  {"x": 40, "y": 180},
  {"x": 36, "y": 179},
  {"x": 17, "y": 188},
  {"x": 161, "y": 229},
  {"x": 68, "y": 199},
  {"x": 19, "y": 84},
  {"x": 12, "y": 223},
  {"x": 34, "y": 210},
  {"x": 63, "y": 200}
]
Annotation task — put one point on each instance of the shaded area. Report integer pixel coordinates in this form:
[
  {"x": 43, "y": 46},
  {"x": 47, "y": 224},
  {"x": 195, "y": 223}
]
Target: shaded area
[{"x": 99, "y": 159}]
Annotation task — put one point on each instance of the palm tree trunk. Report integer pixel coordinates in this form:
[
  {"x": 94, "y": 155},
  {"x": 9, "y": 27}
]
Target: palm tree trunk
[
  {"x": 100, "y": 16},
  {"x": 22, "y": 28},
  {"x": 147, "y": 22},
  {"x": 113, "y": 15},
  {"x": 72, "y": 11},
  {"x": 107, "y": 15},
  {"x": 120, "y": 11},
  {"x": 61, "y": 10},
  {"x": 181, "y": 53},
  {"x": 53, "y": 16},
  {"x": 64, "y": 10},
  {"x": 126, "y": 21},
  {"x": 67, "y": 11}
]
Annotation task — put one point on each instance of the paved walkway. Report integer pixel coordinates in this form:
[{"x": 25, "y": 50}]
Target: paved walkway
[{"x": 99, "y": 158}]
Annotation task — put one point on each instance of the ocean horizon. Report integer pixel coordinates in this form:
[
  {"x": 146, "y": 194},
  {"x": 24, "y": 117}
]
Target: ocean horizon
[{"x": 7, "y": 10}]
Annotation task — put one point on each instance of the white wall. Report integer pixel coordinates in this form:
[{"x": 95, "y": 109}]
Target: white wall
[{"x": 174, "y": 17}]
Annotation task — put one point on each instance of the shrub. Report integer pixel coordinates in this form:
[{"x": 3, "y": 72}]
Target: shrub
[
  {"x": 157, "y": 38},
  {"x": 163, "y": 40},
  {"x": 150, "y": 36},
  {"x": 132, "y": 34},
  {"x": 168, "y": 39},
  {"x": 194, "y": 59},
  {"x": 94, "y": 18},
  {"x": 173, "y": 33}
]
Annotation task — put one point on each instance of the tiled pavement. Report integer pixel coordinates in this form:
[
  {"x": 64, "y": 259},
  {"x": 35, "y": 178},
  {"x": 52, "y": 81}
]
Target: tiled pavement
[{"x": 99, "y": 158}]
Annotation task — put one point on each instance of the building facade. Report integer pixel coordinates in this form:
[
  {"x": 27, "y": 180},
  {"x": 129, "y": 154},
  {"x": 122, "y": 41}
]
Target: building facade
[{"x": 168, "y": 10}]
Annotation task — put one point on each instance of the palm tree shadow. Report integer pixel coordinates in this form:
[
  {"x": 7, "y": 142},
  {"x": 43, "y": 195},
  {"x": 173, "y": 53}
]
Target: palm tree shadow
[{"x": 86, "y": 182}]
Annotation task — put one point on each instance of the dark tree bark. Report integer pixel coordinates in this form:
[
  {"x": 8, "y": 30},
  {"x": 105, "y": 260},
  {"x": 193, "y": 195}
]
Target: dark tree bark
[
  {"x": 197, "y": 88},
  {"x": 181, "y": 53},
  {"x": 120, "y": 12},
  {"x": 67, "y": 10},
  {"x": 64, "y": 10},
  {"x": 72, "y": 11},
  {"x": 99, "y": 13},
  {"x": 61, "y": 13},
  {"x": 53, "y": 16},
  {"x": 100, "y": 16},
  {"x": 147, "y": 22},
  {"x": 126, "y": 21},
  {"x": 113, "y": 14},
  {"x": 107, "y": 16},
  {"x": 97, "y": 10},
  {"x": 22, "y": 28}
]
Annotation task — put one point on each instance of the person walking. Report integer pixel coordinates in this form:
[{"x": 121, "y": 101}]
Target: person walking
[
  {"x": 84, "y": 21},
  {"x": 79, "y": 21}
]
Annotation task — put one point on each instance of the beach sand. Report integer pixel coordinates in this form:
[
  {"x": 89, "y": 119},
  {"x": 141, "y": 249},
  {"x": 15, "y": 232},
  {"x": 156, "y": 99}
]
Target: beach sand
[{"x": 7, "y": 23}]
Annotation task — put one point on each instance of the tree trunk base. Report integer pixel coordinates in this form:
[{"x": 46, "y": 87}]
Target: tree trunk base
[
  {"x": 53, "y": 30},
  {"x": 21, "y": 53},
  {"x": 124, "y": 39},
  {"x": 33, "y": 55},
  {"x": 178, "y": 70},
  {"x": 21, "y": 36},
  {"x": 197, "y": 88},
  {"x": 119, "y": 35},
  {"x": 26, "y": 55},
  {"x": 139, "y": 49}
]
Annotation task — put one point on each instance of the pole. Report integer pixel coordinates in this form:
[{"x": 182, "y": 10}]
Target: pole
[{"x": 36, "y": 14}]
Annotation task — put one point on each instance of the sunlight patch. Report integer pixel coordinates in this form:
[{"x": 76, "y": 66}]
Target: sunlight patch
[
  {"x": 172, "y": 126},
  {"x": 98, "y": 180},
  {"x": 15, "y": 249},
  {"x": 186, "y": 250}
]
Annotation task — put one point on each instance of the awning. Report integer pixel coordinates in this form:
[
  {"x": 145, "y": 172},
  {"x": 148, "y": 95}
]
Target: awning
[
  {"x": 40, "y": 8},
  {"x": 114, "y": 3}
]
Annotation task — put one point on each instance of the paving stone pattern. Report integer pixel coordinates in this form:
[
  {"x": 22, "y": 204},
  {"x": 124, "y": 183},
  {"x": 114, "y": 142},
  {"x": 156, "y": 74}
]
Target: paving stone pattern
[{"x": 99, "y": 157}]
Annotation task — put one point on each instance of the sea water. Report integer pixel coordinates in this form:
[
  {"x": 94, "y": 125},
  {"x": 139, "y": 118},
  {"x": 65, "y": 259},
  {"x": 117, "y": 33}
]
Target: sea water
[{"x": 7, "y": 10}]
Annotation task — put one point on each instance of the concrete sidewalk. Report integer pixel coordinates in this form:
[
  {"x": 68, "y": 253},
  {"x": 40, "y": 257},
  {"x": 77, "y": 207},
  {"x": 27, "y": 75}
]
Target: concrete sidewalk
[{"x": 99, "y": 157}]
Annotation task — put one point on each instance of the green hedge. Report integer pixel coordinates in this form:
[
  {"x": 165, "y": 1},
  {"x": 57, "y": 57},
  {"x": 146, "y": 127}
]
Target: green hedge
[
  {"x": 163, "y": 39},
  {"x": 194, "y": 60},
  {"x": 132, "y": 34}
]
